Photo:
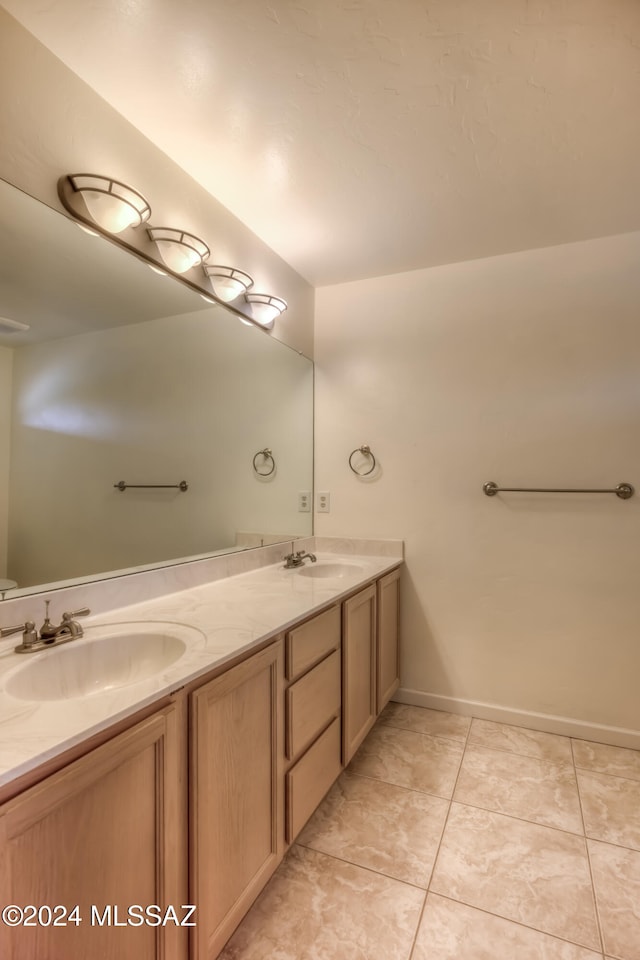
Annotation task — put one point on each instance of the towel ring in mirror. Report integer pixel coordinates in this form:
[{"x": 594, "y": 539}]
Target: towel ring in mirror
[
  {"x": 365, "y": 450},
  {"x": 267, "y": 456}
]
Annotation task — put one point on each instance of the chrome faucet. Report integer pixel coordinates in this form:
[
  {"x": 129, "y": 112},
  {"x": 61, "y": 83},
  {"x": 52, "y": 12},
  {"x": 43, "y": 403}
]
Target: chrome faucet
[
  {"x": 50, "y": 635},
  {"x": 292, "y": 559},
  {"x": 68, "y": 628}
]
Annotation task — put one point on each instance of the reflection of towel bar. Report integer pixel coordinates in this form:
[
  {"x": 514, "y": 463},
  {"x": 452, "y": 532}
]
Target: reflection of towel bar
[
  {"x": 623, "y": 490},
  {"x": 121, "y": 485}
]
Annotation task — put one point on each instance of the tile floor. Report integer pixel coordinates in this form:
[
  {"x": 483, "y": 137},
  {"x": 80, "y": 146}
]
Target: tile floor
[{"x": 456, "y": 839}]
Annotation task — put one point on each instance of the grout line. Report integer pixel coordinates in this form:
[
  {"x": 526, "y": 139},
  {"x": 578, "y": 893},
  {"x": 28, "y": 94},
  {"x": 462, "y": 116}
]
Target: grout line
[
  {"x": 519, "y": 923},
  {"x": 423, "y": 733},
  {"x": 360, "y": 866},
  {"x": 601, "y": 773},
  {"x": 513, "y": 816},
  {"x": 420, "y": 733},
  {"x": 526, "y": 756},
  {"x": 400, "y": 786},
  {"x": 438, "y": 848},
  {"x": 446, "y": 820},
  {"x": 590, "y": 868}
]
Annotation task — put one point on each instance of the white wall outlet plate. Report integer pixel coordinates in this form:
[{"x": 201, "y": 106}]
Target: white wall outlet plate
[
  {"x": 323, "y": 502},
  {"x": 304, "y": 501}
]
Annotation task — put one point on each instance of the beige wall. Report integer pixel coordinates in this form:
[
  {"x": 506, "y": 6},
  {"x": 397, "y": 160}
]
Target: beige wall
[
  {"x": 6, "y": 356},
  {"x": 54, "y": 124},
  {"x": 521, "y": 369}
]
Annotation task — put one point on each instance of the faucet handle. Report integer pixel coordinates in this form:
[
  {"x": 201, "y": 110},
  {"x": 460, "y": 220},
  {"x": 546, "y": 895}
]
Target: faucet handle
[
  {"x": 27, "y": 628},
  {"x": 82, "y": 612}
]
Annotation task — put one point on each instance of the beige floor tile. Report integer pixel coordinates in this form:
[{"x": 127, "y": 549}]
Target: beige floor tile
[
  {"x": 450, "y": 726},
  {"x": 409, "y": 759},
  {"x": 537, "y": 790},
  {"x": 601, "y": 758},
  {"x": 527, "y": 743},
  {"x": 318, "y": 908},
  {"x": 453, "y": 931},
  {"x": 374, "y": 824},
  {"x": 616, "y": 877},
  {"x": 611, "y": 808},
  {"x": 521, "y": 871}
]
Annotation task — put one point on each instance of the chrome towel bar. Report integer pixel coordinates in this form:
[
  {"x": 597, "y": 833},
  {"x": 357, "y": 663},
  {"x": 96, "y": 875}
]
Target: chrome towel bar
[
  {"x": 623, "y": 490},
  {"x": 122, "y": 485}
]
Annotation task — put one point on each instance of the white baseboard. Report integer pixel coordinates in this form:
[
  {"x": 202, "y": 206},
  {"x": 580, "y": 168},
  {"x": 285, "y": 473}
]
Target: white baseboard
[{"x": 565, "y": 726}]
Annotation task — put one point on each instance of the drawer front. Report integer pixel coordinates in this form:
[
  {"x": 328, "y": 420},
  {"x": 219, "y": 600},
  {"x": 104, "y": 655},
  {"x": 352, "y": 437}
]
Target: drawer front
[
  {"x": 312, "y": 641},
  {"x": 311, "y": 703},
  {"x": 310, "y": 779}
]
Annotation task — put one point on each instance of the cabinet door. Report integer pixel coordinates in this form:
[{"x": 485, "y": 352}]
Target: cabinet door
[
  {"x": 358, "y": 669},
  {"x": 237, "y": 815},
  {"x": 107, "y": 832},
  {"x": 388, "y": 655}
]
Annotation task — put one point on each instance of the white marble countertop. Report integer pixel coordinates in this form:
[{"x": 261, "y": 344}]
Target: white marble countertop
[{"x": 217, "y": 621}]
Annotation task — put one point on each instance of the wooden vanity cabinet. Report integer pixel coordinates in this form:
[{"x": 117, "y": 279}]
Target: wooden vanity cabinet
[
  {"x": 236, "y": 816},
  {"x": 108, "y": 831},
  {"x": 196, "y": 803}
]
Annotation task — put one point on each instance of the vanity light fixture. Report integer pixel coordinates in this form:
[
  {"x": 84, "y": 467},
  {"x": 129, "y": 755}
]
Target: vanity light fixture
[
  {"x": 265, "y": 308},
  {"x": 113, "y": 205},
  {"x": 227, "y": 282},
  {"x": 180, "y": 250}
]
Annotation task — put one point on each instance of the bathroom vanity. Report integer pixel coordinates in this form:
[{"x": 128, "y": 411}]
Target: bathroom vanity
[{"x": 188, "y": 788}]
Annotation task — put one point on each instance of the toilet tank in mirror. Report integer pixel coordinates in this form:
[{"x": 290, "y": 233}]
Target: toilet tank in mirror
[{"x": 126, "y": 375}]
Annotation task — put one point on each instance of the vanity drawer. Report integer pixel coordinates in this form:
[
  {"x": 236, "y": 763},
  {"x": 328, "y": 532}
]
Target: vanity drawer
[
  {"x": 311, "y": 703},
  {"x": 310, "y": 779},
  {"x": 313, "y": 640}
]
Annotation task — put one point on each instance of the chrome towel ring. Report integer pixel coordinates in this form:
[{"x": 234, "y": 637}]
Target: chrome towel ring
[
  {"x": 365, "y": 450},
  {"x": 267, "y": 456}
]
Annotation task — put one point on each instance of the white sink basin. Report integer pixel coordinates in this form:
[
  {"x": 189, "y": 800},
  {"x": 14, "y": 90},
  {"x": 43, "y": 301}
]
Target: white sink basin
[
  {"x": 85, "y": 666},
  {"x": 332, "y": 571}
]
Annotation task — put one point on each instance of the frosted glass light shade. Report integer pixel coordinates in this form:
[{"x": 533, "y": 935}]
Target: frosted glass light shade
[
  {"x": 180, "y": 250},
  {"x": 227, "y": 282},
  {"x": 114, "y": 206},
  {"x": 265, "y": 308}
]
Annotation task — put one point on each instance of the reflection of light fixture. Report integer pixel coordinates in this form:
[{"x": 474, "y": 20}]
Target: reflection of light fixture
[
  {"x": 112, "y": 205},
  {"x": 265, "y": 308},
  {"x": 12, "y": 326},
  {"x": 179, "y": 250},
  {"x": 227, "y": 282}
]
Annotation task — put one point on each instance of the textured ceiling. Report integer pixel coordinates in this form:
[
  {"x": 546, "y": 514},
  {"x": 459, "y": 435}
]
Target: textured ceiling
[{"x": 365, "y": 137}]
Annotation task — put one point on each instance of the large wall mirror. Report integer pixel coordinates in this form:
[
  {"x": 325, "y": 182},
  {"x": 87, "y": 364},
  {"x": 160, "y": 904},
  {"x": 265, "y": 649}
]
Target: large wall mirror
[{"x": 125, "y": 375}]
